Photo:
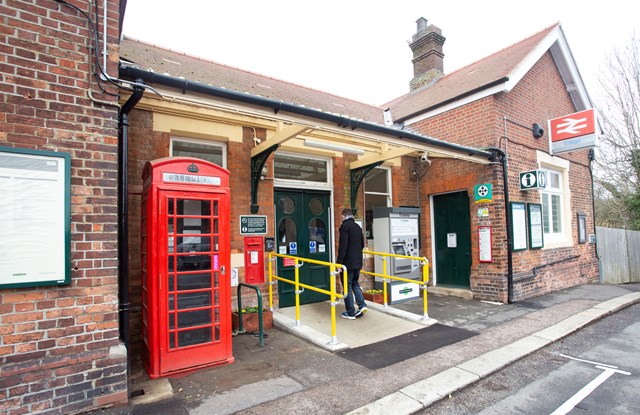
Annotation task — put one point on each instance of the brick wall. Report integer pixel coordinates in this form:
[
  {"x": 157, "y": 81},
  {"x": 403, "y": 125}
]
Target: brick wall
[
  {"x": 539, "y": 96},
  {"x": 59, "y": 346}
]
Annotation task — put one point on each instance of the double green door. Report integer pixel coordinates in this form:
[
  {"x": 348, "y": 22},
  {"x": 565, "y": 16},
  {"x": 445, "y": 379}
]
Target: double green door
[
  {"x": 452, "y": 228},
  {"x": 302, "y": 229}
]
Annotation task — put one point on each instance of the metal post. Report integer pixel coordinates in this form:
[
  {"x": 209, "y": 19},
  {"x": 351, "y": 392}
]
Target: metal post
[
  {"x": 425, "y": 280},
  {"x": 298, "y": 292}
]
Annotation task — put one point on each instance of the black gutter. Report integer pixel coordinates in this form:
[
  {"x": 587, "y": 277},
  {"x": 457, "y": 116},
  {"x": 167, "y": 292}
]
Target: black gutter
[
  {"x": 123, "y": 215},
  {"x": 277, "y": 106},
  {"x": 505, "y": 180},
  {"x": 456, "y": 98}
]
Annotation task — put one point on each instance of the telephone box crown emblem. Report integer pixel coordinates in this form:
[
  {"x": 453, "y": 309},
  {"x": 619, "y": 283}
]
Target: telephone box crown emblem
[{"x": 192, "y": 168}]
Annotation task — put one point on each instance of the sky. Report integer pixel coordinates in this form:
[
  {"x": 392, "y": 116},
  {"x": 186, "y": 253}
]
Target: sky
[{"x": 359, "y": 49}]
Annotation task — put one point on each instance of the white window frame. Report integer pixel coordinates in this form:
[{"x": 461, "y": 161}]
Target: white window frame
[
  {"x": 388, "y": 194},
  {"x": 221, "y": 145},
  {"x": 558, "y": 166}
]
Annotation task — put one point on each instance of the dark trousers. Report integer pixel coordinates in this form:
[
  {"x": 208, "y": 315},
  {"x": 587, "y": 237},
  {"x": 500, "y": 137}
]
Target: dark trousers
[{"x": 353, "y": 289}]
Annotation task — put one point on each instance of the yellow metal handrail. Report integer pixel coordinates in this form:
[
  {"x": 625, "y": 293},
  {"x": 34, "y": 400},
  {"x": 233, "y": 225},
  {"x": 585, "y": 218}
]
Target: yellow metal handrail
[
  {"x": 386, "y": 277},
  {"x": 299, "y": 261}
]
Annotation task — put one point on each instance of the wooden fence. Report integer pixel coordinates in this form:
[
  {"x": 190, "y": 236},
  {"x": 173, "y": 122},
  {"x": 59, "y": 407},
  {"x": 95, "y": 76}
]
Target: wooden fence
[{"x": 619, "y": 252}]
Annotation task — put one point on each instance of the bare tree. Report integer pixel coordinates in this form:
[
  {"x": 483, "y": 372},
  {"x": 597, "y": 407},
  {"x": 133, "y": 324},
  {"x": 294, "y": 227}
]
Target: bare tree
[{"x": 618, "y": 161}]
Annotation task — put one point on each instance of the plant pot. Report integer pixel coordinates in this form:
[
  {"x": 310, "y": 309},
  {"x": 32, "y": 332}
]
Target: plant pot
[
  {"x": 251, "y": 321},
  {"x": 376, "y": 298}
]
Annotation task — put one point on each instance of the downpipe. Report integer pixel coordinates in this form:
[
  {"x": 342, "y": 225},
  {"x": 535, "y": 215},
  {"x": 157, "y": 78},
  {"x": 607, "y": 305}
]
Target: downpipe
[
  {"x": 505, "y": 180},
  {"x": 123, "y": 215}
]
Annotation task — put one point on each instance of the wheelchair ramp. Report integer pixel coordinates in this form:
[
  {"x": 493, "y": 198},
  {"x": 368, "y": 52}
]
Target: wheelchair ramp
[{"x": 377, "y": 325}]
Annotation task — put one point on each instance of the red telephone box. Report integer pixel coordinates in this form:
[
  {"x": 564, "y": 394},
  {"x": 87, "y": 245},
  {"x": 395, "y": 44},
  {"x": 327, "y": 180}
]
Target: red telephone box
[{"x": 186, "y": 293}]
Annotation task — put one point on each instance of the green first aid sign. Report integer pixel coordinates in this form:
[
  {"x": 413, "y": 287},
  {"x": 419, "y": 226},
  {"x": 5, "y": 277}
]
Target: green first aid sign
[{"x": 483, "y": 193}]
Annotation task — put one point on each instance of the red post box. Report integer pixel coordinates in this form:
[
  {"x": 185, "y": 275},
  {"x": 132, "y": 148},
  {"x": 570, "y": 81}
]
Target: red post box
[
  {"x": 253, "y": 259},
  {"x": 186, "y": 285}
]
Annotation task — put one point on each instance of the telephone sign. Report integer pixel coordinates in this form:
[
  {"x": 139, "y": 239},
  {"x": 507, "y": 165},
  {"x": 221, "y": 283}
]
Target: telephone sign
[{"x": 533, "y": 180}]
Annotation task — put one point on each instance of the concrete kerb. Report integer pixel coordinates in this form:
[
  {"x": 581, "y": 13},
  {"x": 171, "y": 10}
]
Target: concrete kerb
[
  {"x": 421, "y": 394},
  {"x": 416, "y": 318}
]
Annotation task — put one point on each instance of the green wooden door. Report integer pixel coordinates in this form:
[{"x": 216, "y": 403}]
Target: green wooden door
[
  {"x": 302, "y": 229},
  {"x": 452, "y": 238}
]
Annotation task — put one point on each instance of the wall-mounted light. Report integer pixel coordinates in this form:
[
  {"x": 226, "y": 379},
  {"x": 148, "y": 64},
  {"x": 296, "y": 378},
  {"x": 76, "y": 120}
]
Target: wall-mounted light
[
  {"x": 334, "y": 147},
  {"x": 536, "y": 128}
]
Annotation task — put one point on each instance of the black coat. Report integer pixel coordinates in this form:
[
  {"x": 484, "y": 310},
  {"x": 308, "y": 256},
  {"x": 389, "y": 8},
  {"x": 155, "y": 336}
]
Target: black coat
[{"x": 350, "y": 245}]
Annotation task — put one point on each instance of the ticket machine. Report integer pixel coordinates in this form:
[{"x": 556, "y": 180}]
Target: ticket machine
[
  {"x": 396, "y": 231},
  {"x": 186, "y": 298}
]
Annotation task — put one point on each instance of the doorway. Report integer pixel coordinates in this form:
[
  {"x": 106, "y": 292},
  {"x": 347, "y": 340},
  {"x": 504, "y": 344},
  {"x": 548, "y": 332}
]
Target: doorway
[
  {"x": 452, "y": 239},
  {"x": 302, "y": 229}
]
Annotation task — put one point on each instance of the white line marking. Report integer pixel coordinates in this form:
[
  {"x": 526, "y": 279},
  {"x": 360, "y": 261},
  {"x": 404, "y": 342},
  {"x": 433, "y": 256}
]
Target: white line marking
[
  {"x": 588, "y": 361},
  {"x": 568, "y": 406}
]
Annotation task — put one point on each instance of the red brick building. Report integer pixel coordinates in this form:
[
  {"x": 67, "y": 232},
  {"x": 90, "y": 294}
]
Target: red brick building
[{"x": 295, "y": 156}]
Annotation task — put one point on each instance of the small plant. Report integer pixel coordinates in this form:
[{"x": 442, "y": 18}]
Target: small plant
[{"x": 251, "y": 310}]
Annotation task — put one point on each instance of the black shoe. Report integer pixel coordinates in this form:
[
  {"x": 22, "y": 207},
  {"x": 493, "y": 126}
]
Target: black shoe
[{"x": 348, "y": 316}]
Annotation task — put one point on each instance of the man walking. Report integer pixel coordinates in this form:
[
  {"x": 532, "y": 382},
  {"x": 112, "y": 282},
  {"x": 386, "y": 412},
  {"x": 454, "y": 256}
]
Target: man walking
[{"x": 350, "y": 255}]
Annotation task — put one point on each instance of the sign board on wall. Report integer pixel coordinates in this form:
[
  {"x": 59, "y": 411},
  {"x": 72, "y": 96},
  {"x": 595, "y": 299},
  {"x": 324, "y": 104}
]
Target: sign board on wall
[
  {"x": 484, "y": 244},
  {"x": 533, "y": 180},
  {"x": 573, "y": 131},
  {"x": 536, "y": 232},
  {"x": 253, "y": 224},
  {"x": 518, "y": 226},
  {"x": 35, "y": 225},
  {"x": 483, "y": 193}
]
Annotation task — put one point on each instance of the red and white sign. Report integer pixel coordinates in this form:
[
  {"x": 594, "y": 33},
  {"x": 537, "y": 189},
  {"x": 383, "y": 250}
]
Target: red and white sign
[{"x": 573, "y": 131}]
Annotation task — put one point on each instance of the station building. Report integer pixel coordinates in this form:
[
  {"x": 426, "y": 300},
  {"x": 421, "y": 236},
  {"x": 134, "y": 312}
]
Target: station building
[{"x": 163, "y": 174}]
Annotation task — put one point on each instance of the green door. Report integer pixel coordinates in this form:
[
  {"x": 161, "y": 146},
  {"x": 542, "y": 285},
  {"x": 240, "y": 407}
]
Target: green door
[
  {"x": 302, "y": 229},
  {"x": 452, "y": 227}
]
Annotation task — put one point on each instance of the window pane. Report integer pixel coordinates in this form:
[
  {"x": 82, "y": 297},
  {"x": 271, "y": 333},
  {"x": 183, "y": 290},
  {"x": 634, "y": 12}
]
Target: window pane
[
  {"x": 555, "y": 209},
  {"x": 376, "y": 181},
  {"x": 191, "y": 337},
  {"x": 194, "y": 300},
  {"x": 554, "y": 180},
  {"x": 194, "y": 244},
  {"x": 194, "y": 318},
  {"x": 287, "y": 205},
  {"x": 287, "y": 231},
  {"x": 296, "y": 168},
  {"x": 194, "y": 207},
  {"x": 545, "y": 212},
  {"x": 317, "y": 231},
  {"x": 316, "y": 206},
  {"x": 194, "y": 281},
  {"x": 209, "y": 152}
]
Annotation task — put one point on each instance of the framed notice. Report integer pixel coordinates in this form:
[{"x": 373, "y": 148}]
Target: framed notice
[
  {"x": 484, "y": 244},
  {"x": 536, "y": 232},
  {"x": 582, "y": 228},
  {"x": 35, "y": 218},
  {"x": 518, "y": 226}
]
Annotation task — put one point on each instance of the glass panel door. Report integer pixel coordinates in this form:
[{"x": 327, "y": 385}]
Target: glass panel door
[{"x": 192, "y": 289}]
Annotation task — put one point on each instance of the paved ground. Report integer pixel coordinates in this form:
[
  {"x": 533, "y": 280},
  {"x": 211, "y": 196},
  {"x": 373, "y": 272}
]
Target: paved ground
[{"x": 292, "y": 375}]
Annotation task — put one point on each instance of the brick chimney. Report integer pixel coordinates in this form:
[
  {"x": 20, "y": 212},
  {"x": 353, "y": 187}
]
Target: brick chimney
[{"x": 428, "y": 59}]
